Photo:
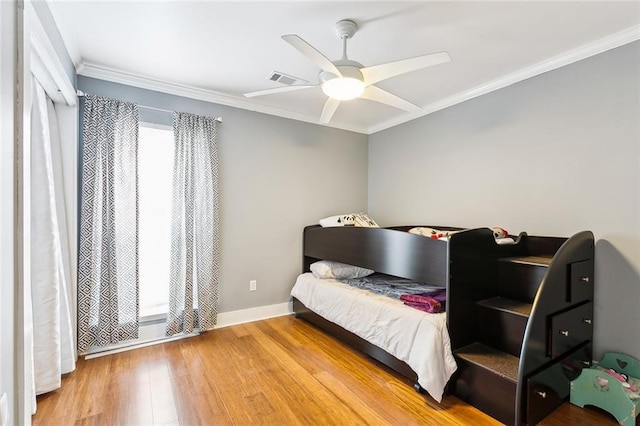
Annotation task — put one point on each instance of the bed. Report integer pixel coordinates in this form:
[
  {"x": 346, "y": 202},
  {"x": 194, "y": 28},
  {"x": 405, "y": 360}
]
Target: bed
[
  {"x": 417, "y": 338},
  {"x": 519, "y": 316},
  {"x": 414, "y": 343}
]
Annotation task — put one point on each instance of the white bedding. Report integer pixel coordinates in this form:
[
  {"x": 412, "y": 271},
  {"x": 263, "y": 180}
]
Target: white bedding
[{"x": 418, "y": 338}]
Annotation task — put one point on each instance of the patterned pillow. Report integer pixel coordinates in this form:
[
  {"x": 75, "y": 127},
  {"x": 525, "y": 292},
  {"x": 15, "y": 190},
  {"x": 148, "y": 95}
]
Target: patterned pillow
[
  {"x": 430, "y": 232},
  {"x": 364, "y": 220}
]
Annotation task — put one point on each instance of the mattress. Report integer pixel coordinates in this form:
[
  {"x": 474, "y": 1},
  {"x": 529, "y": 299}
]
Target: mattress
[{"x": 418, "y": 338}]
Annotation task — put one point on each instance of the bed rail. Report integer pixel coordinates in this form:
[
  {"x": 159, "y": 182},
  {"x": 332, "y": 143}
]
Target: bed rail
[{"x": 385, "y": 250}]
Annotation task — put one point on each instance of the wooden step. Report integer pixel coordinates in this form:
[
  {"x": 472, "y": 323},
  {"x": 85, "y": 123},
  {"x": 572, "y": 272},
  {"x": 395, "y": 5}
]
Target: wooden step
[
  {"x": 486, "y": 378},
  {"x": 529, "y": 260},
  {"x": 498, "y": 362},
  {"x": 520, "y": 277},
  {"x": 501, "y": 323},
  {"x": 510, "y": 306}
]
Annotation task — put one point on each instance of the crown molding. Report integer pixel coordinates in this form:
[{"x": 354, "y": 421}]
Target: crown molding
[
  {"x": 588, "y": 50},
  {"x": 583, "y": 52},
  {"x": 122, "y": 77}
]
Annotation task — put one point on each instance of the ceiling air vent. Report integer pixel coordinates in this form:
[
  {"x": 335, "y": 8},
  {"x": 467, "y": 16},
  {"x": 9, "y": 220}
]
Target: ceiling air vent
[{"x": 284, "y": 78}]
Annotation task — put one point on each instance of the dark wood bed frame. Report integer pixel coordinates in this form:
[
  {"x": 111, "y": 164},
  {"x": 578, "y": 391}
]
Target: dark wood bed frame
[
  {"x": 392, "y": 251},
  {"x": 531, "y": 303}
]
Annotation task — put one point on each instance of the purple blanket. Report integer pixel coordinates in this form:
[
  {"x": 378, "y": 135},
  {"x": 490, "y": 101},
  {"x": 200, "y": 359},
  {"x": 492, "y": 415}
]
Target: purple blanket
[{"x": 431, "y": 301}]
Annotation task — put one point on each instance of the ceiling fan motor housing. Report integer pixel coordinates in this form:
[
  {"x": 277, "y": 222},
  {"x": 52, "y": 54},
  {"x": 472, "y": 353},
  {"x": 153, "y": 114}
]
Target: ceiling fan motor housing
[{"x": 348, "y": 69}]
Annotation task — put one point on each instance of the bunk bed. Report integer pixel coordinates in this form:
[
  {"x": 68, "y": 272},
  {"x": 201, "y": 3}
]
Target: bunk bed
[{"x": 518, "y": 315}]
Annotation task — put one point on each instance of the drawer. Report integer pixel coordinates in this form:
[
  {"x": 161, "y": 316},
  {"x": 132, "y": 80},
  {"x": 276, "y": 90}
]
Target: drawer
[
  {"x": 581, "y": 282},
  {"x": 540, "y": 402},
  {"x": 547, "y": 389},
  {"x": 571, "y": 328}
]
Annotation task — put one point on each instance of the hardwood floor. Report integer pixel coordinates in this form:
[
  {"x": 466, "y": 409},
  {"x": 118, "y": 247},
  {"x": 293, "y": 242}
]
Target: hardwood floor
[{"x": 280, "y": 371}]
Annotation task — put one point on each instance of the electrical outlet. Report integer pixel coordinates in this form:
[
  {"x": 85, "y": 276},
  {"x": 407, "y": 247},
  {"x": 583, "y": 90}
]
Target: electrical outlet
[{"x": 252, "y": 285}]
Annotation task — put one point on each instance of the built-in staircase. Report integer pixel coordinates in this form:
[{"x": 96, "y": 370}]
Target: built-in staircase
[
  {"x": 488, "y": 368},
  {"x": 516, "y": 346}
]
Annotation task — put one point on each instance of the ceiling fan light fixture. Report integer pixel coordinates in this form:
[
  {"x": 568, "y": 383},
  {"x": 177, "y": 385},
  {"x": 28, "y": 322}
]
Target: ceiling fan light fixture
[{"x": 343, "y": 88}]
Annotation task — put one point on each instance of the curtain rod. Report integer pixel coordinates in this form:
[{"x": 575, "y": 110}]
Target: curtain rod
[{"x": 80, "y": 93}]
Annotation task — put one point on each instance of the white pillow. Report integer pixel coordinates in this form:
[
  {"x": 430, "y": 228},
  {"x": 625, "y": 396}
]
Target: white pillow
[
  {"x": 324, "y": 269},
  {"x": 357, "y": 219},
  {"x": 339, "y": 220}
]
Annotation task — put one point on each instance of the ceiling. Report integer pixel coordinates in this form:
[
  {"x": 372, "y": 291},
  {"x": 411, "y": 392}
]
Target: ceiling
[{"x": 217, "y": 50}]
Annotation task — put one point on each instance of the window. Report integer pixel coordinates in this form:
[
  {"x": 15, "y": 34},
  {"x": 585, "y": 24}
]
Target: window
[{"x": 155, "y": 169}]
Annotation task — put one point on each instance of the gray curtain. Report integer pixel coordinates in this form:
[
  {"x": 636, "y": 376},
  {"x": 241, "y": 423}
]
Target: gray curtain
[
  {"x": 108, "y": 249},
  {"x": 195, "y": 238}
]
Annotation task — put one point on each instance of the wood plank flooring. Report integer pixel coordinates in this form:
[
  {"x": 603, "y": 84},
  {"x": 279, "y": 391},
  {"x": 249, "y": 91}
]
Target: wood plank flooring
[{"x": 280, "y": 371}]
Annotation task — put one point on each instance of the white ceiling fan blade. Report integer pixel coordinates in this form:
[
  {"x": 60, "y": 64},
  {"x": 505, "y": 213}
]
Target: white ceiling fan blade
[
  {"x": 376, "y": 94},
  {"x": 277, "y": 90},
  {"x": 329, "y": 109},
  {"x": 312, "y": 53},
  {"x": 381, "y": 72}
]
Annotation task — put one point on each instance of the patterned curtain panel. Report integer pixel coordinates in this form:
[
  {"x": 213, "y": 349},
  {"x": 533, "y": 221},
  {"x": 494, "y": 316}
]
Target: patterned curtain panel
[
  {"x": 108, "y": 255},
  {"x": 195, "y": 237}
]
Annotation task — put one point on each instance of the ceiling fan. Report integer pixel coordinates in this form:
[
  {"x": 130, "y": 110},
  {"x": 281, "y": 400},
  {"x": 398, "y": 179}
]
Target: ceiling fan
[{"x": 346, "y": 79}]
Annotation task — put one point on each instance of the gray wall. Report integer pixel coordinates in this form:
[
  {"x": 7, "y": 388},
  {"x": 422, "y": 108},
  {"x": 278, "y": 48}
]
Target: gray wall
[
  {"x": 276, "y": 176},
  {"x": 552, "y": 155}
]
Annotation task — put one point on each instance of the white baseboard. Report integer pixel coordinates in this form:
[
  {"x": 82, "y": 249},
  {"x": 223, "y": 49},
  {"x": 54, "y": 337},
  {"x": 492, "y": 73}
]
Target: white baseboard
[
  {"x": 133, "y": 344},
  {"x": 152, "y": 333},
  {"x": 226, "y": 319}
]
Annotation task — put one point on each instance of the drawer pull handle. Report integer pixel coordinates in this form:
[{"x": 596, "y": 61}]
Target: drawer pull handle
[
  {"x": 564, "y": 332},
  {"x": 585, "y": 279},
  {"x": 586, "y": 321},
  {"x": 542, "y": 394}
]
